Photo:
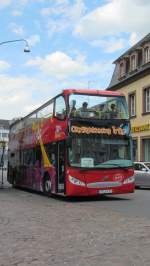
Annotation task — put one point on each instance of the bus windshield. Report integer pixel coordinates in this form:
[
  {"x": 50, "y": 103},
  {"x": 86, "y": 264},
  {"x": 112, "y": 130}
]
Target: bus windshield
[
  {"x": 98, "y": 107},
  {"x": 99, "y": 152}
]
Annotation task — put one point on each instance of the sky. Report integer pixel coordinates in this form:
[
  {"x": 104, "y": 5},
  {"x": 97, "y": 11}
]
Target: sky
[{"x": 73, "y": 45}]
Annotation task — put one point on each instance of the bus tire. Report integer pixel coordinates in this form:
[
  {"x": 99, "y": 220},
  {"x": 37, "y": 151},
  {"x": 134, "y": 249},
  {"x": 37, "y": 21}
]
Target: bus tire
[{"x": 47, "y": 184}]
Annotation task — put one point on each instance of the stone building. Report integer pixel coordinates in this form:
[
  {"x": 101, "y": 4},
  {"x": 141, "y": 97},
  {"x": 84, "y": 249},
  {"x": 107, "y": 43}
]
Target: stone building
[{"x": 132, "y": 77}]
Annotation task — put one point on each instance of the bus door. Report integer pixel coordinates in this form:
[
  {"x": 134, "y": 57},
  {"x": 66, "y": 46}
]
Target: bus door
[{"x": 61, "y": 166}]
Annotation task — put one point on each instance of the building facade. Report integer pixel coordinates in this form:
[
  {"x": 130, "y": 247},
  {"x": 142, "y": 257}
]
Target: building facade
[
  {"x": 132, "y": 77},
  {"x": 4, "y": 136}
]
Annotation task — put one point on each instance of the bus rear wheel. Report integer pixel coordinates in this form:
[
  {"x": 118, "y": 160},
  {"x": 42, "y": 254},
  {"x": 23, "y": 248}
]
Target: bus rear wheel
[{"x": 47, "y": 185}]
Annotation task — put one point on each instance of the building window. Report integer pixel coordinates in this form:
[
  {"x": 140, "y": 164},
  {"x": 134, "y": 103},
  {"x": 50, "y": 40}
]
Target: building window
[
  {"x": 140, "y": 58},
  {"x": 146, "y": 100},
  {"x": 4, "y": 135},
  {"x": 146, "y": 54},
  {"x": 121, "y": 70},
  {"x": 127, "y": 65},
  {"x": 132, "y": 106},
  {"x": 133, "y": 62}
]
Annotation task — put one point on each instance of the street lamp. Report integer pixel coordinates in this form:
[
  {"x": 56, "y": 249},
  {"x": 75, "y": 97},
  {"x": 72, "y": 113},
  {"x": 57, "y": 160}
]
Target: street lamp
[{"x": 26, "y": 49}]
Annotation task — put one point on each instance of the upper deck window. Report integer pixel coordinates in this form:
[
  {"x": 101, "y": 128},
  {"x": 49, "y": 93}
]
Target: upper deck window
[
  {"x": 46, "y": 111},
  {"x": 60, "y": 107},
  {"x": 97, "y": 107}
]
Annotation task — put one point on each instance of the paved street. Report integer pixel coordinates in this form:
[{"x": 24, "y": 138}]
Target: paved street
[{"x": 39, "y": 230}]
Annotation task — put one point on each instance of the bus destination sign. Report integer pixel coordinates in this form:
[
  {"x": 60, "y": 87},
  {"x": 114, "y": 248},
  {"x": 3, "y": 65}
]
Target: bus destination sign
[{"x": 97, "y": 130}]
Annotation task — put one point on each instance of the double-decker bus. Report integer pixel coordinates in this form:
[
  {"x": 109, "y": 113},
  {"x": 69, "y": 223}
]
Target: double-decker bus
[{"x": 76, "y": 144}]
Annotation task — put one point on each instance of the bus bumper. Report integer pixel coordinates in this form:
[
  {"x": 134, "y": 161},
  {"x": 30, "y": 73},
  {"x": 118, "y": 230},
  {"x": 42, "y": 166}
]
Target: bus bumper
[{"x": 85, "y": 191}]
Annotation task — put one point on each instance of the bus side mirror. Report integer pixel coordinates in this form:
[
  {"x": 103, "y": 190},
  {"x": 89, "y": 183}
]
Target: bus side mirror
[{"x": 12, "y": 155}]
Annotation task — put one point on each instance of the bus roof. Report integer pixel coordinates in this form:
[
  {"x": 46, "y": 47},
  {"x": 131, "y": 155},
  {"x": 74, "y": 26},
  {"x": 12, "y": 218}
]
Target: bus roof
[{"x": 92, "y": 92}]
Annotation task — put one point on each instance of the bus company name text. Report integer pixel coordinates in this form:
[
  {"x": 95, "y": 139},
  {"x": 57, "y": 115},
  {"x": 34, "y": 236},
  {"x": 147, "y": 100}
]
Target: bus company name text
[{"x": 94, "y": 130}]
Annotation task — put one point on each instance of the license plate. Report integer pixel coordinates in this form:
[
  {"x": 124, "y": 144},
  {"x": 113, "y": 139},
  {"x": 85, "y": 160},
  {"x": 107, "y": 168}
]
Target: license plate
[{"x": 105, "y": 191}]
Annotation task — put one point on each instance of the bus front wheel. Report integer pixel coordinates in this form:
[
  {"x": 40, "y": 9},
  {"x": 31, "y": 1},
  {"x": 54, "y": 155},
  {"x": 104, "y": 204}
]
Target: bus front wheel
[{"x": 47, "y": 185}]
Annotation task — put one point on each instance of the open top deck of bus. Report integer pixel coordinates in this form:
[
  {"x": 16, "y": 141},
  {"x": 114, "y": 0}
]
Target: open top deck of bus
[{"x": 66, "y": 92}]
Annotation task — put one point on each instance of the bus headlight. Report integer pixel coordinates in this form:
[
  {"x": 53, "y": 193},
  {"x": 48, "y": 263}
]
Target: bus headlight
[
  {"x": 76, "y": 181},
  {"x": 129, "y": 180}
]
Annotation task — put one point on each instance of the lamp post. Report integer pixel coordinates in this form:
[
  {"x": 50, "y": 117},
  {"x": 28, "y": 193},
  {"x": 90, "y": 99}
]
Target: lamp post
[{"x": 26, "y": 49}]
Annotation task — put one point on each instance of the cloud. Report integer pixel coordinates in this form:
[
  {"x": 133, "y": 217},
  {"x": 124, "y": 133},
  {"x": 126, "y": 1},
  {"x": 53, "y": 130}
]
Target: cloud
[
  {"x": 24, "y": 2},
  {"x": 20, "y": 95},
  {"x": 4, "y": 65},
  {"x": 134, "y": 38},
  {"x": 56, "y": 8},
  {"x": 115, "y": 17},
  {"x": 66, "y": 71},
  {"x": 110, "y": 45},
  {"x": 16, "y": 13},
  {"x": 61, "y": 66},
  {"x": 55, "y": 26},
  {"x": 4, "y": 3},
  {"x": 33, "y": 40},
  {"x": 63, "y": 15},
  {"x": 17, "y": 29}
]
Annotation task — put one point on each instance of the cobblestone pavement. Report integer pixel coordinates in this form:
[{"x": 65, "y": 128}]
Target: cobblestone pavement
[{"x": 41, "y": 231}]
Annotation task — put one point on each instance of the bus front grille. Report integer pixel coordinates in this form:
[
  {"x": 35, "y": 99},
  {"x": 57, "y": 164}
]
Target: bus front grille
[{"x": 103, "y": 184}]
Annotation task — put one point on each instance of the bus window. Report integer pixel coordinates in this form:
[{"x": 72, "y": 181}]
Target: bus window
[
  {"x": 28, "y": 157},
  {"x": 98, "y": 107},
  {"x": 38, "y": 155},
  {"x": 30, "y": 119},
  {"x": 60, "y": 108},
  {"x": 46, "y": 112}
]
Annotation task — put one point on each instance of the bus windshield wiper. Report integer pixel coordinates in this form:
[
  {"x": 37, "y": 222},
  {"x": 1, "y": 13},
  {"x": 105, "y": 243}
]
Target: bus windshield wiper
[{"x": 116, "y": 165}]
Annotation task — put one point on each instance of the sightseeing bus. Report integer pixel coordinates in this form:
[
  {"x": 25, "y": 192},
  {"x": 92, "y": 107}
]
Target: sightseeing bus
[{"x": 76, "y": 144}]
